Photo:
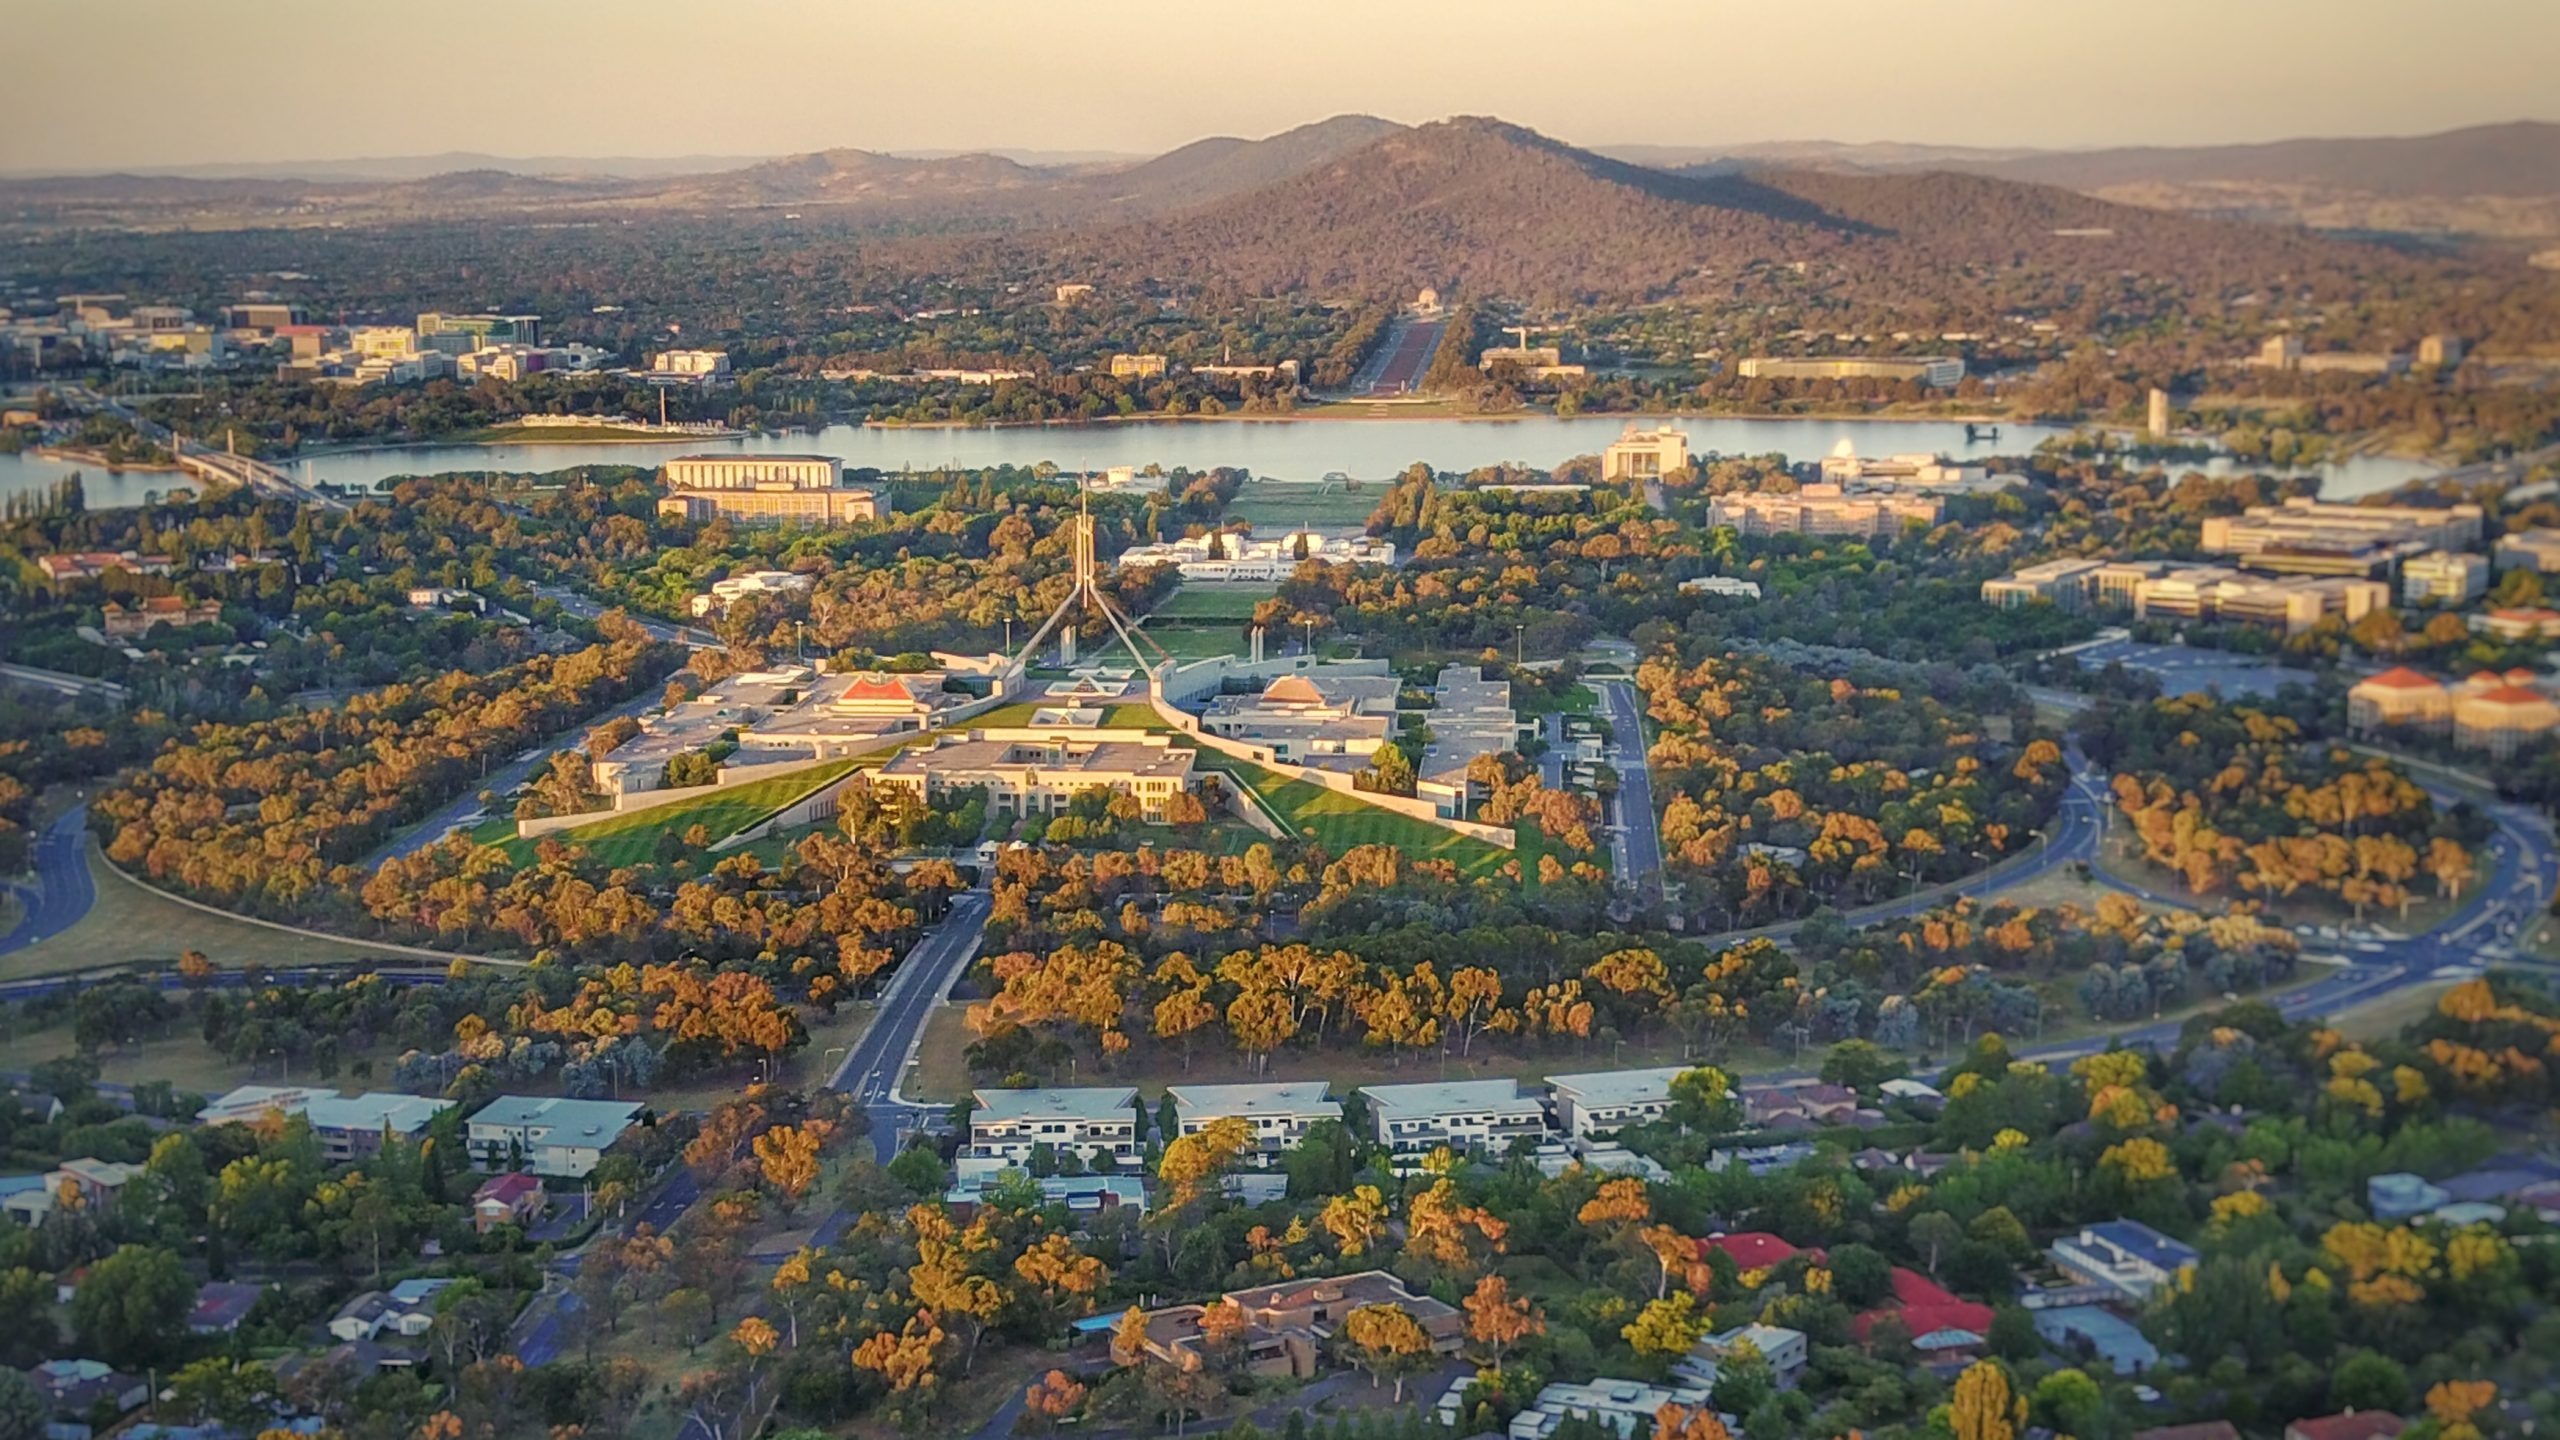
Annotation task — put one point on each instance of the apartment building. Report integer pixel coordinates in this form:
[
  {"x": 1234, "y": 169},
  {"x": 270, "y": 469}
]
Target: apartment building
[
  {"x": 2444, "y": 577},
  {"x": 2502, "y": 714},
  {"x": 1627, "y": 1407},
  {"x": 547, "y": 1135},
  {"x": 1940, "y": 372},
  {"x": 1096, "y": 1123},
  {"x": 1033, "y": 772},
  {"x": 1278, "y": 1113},
  {"x": 2292, "y": 603},
  {"x": 1465, "y": 1115},
  {"x": 356, "y": 1127},
  {"x": 1641, "y": 455},
  {"x": 1823, "y": 510},
  {"x": 1602, "y": 1102}
]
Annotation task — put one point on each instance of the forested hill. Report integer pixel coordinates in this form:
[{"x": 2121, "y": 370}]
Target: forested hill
[{"x": 1486, "y": 207}]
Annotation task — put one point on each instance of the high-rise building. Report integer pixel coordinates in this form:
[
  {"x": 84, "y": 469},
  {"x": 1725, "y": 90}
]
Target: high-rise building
[{"x": 2158, "y": 418}]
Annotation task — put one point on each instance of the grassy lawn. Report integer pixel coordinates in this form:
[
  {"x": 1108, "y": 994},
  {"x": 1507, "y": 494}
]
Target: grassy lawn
[
  {"x": 1186, "y": 643},
  {"x": 632, "y": 839},
  {"x": 1341, "y": 821},
  {"x": 941, "y": 1075},
  {"x": 130, "y": 925},
  {"x": 2385, "y": 1015},
  {"x": 1578, "y": 700},
  {"x": 184, "y": 1060},
  {"x": 1199, "y": 601},
  {"x": 1285, "y": 504}
]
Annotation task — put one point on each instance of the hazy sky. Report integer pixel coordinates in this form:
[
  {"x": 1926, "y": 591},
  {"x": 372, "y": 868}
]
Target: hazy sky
[{"x": 99, "y": 83}]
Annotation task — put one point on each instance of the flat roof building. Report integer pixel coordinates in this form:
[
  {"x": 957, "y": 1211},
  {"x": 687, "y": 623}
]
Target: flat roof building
[
  {"x": 775, "y": 505},
  {"x": 2064, "y": 584},
  {"x": 1096, "y": 1123},
  {"x": 547, "y": 1135},
  {"x": 2444, "y": 577},
  {"x": 2126, "y": 1257},
  {"x": 2310, "y": 536},
  {"x": 1279, "y": 1112},
  {"x": 1470, "y": 717},
  {"x": 1465, "y": 1115},
  {"x": 1641, "y": 455},
  {"x": 2536, "y": 549},
  {"x": 1822, "y": 510},
  {"x": 1940, "y": 372},
  {"x": 749, "y": 472},
  {"x": 1601, "y": 1102},
  {"x": 1028, "y": 773},
  {"x": 1311, "y": 718}
]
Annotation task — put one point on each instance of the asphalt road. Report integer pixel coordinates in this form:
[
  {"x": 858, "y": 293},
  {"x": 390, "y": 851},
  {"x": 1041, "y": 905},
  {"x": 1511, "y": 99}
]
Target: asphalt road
[
  {"x": 1635, "y": 840},
  {"x": 874, "y": 1064},
  {"x": 63, "y": 890},
  {"x": 450, "y": 817}
]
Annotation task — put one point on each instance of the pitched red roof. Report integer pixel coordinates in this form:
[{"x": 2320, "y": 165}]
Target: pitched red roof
[
  {"x": 2533, "y": 614},
  {"x": 1924, "y": 1306},
  {"x": 2511, "y": 695},
  {"x": 2520, "y": 675},
  {"x": 1752, "y": 1249},
  {"x": 877, "y": 687},
  {"x": 2353, "y": 1425},
  {"x": 507, "y": 1189},
  {"x": 2401, "y": 677}
]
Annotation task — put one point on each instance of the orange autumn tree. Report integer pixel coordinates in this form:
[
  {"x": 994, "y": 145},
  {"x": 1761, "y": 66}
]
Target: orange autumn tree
[
  {"x": 1385, "y": 1340},
  {"x": 1674, "y": 1422},
  {"x": 1054, "y": 1397},
  {"x": 788, "y": 1156},
  {"x": 1497, "y": 1321},
  {"x": 904, "y": 1358},
  {"x": 1983, "y": 1406}
]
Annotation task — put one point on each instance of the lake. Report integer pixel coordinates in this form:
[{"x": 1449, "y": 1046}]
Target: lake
[{"x": 1373, "y": 450}]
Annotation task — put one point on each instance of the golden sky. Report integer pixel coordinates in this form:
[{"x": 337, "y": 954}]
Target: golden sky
[{"x": 87, "y": 84}]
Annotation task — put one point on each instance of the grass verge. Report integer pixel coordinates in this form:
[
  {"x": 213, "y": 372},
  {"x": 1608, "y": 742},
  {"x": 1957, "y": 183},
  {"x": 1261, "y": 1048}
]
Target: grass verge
[{"x": 632, "y": 839}]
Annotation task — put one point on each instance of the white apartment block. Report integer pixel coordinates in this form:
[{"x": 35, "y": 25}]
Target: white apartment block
[
  {"x": 1278, "y": 1113},
  {"x": 1465, "y": 1115},
  {"x": 1096, "y": 1123},
  {"x": 2444, "y": 577},
  {"x": 1601, "y": 1102}
]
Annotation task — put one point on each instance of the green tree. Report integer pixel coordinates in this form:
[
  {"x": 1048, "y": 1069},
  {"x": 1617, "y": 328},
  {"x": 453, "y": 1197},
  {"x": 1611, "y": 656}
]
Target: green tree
[
  {"x": 2069, "y": 1401},
  {"x": 1861, "y": 1065},
  {"x": 2367, "y": 1381},
  {"x": 132, "y": 1309},
  {"x": 23, "y": 1413}
]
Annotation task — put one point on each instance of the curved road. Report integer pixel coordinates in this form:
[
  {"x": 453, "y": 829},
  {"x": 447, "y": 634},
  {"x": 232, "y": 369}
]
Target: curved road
[{"x": 64, "y": 889}]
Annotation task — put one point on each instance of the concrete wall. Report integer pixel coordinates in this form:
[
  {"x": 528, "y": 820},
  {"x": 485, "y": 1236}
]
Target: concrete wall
[{"x": 731, "y": 777}]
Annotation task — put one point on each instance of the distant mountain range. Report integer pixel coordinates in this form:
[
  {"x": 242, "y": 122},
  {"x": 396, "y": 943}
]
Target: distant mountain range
[{"x": 1360, "y": 204}]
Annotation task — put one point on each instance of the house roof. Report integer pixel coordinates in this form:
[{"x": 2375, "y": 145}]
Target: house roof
[
  {"x": 2144, "y": 1243},
  {"x": 2353, "y": 1425},
  {"x": 1925, "y": 1308},
  {"x": 2201, "y": 1430},
  {"x": 507, "y": 1188},
  {"x": 569, "y": 1121},
  {"x": 1091, "y": 1102},
  {"x": 1445, "y": 1097},
  {"x": 1281, "y": 1098},
  {"x": 222, "y": 1304},
  {"x": 1751, "y": 1249},
  {"x": 2510, "y": 695},
  {"x": 2401, "y": 677},
  {"x": 1618, "y": 1087}
]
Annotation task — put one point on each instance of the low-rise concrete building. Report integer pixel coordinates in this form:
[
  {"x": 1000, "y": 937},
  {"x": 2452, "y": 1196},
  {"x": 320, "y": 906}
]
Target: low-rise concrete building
[
  {"x": 1312, "y": 718},
  {"x": 1645, "y": 454},
  {"x": 1097, "y": 1124},
  {"x": 2444, "y": 577},
  {"x": 2399, "y": 698},
  {"x": 1822, "y": 510},
  {"x": 1031, "y": 773},
  {"x": 547, "y": 1135},
  {"x": 1279, "y": 1113},
  {"x": 2064, "y": 584},
  {"x": 1283, "y": 1327},
  {"x": 1602, "y": 1102},
  {"x": 2125, "y": 1257},
  {"x": 1628, "y": 1407},
  {"x": 1465, "y": 1115}
]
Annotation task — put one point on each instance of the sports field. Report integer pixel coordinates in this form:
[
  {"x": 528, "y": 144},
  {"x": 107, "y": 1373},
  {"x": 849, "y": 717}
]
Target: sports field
[{"x": 632, "y": 839}]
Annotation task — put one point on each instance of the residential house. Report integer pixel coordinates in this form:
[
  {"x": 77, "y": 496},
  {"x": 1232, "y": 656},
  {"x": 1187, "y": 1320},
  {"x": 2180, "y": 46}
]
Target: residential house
[
  {"x": 88, "y": 1183},
  {"x": 1751, "y": 1250},
  {"x": 547, "y": 1135},
  {"x": 374, "y": 1314},
  {"x": 75, "y": 1390},
  {"x": 1465, "y": 1115},
  {"x": 1817, "y": 1104},
  {"x": 221, "y": 1305},
  {"x": 508, "y": 1200},
  {"x": 1941, "y": 1326},
  {"x": 2352, "y": 1425},
  {"x": 2125, "y": 1257},
  {"x": 1097, "y": 1124},
  {"x": 1786, "y": 1351},
  {"x": 1285, "y": 1325},
  {"x": 1278, "y": 1114}
]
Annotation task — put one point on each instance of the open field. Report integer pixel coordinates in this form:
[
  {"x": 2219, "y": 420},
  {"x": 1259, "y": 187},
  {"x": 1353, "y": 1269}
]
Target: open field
[
  {"x": 1276, "y": 505},
  {"x": 1197, "y": 601},
  {"x": 632, "y": 839},
  {"x": 2385, "y": 1015},
  {"x": 1186, "y": 642},
  {"x": 184, "y": 1060},
  {"x": 130, "y": 925}
]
